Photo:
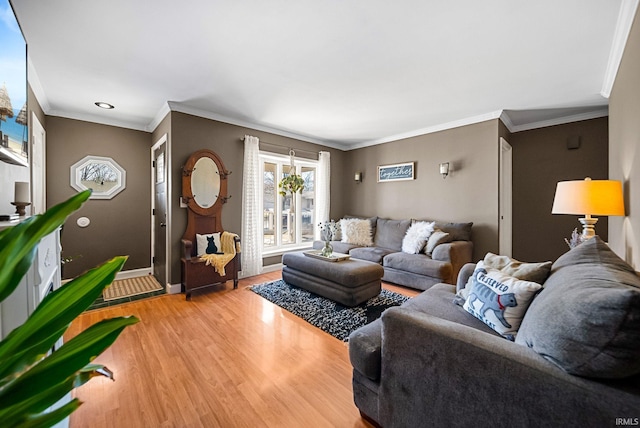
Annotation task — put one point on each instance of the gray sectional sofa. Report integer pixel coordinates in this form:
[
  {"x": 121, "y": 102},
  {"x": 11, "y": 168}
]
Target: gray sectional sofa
[
  {"x": 419, "y": 271},
  {"x": 575, "y": 360}
]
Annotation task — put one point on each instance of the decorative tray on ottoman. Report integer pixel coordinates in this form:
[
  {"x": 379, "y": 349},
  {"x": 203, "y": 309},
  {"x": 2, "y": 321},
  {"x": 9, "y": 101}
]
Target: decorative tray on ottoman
[{"x": 334, "y": 257}]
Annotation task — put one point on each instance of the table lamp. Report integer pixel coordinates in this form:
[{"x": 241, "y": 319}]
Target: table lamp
[{"x": 588, "y": 197}]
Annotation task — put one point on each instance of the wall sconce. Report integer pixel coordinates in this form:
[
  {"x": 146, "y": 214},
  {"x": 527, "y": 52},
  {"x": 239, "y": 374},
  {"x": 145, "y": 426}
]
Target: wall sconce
[
  {"x": 358, "y": 177},
  {"x": 444, "y": 169}
]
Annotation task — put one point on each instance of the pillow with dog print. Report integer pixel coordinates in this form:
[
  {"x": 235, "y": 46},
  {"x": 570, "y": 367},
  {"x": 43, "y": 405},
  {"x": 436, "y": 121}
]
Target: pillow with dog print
[
  {"x": 208, "y": 244},
  {"x": 500, "y": 300}
]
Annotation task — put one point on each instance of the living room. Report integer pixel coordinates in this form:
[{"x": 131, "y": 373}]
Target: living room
[{"x": 470, "y": 193}]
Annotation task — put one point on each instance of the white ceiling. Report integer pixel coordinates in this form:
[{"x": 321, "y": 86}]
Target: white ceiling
[{"x": 344, "y": 73}]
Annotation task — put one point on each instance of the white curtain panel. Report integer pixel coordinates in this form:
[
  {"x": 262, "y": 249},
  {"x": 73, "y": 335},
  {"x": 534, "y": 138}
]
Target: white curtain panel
[
  {"x": 251, "y": 216},
  {"x": 323, "y": 189}
]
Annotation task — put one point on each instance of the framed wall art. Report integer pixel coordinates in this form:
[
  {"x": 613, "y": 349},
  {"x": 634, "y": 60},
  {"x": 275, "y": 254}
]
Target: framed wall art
[{"x": 396, "y": 172}]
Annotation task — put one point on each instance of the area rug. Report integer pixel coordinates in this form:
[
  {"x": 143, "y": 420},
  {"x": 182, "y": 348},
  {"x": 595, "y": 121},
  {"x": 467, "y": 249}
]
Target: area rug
[
  {"x": 331, "y": 317},
  {"x": 123, "y": 288}
]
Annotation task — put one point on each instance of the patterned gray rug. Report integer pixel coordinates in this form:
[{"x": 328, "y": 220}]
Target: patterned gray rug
[{"x": 331, "y": 317}]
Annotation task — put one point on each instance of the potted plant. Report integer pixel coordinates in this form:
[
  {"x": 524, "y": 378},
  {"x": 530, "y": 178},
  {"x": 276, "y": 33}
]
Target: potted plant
[
  {"x": 33, "y": 377},
  {"x": 291, "y": 184}
]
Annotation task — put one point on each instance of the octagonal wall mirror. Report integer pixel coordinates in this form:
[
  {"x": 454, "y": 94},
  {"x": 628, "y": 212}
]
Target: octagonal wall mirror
[
  {"x": 101, "y": 174},
  {"x": 204, "y": 184}
]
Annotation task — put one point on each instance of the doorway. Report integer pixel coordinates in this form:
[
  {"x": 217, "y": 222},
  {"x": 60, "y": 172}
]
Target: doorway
[
  {"x": 159, "y": 229},
  {"x": 38, "y": 166},
  {"x": 505, "y": 224}
]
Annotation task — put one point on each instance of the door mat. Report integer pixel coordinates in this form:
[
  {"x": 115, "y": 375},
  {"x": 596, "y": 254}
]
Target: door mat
[{"x": 123, "y": 288}]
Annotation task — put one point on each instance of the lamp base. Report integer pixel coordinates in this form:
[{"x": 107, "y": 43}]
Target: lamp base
[
  {"x": 588, "y": 227},
  {"x": 20, "y": 207}
]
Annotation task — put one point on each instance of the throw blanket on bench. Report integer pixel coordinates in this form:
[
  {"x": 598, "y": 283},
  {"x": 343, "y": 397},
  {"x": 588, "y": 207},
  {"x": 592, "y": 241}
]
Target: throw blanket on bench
[{"x": 229, "y": 250}]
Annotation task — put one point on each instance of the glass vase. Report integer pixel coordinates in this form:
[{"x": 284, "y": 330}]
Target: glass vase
[{"x": 327, "y": 250}]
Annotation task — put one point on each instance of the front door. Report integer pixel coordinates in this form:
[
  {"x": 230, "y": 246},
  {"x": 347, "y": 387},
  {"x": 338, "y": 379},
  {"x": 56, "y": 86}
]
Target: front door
[{"x": 160, "y": 213}]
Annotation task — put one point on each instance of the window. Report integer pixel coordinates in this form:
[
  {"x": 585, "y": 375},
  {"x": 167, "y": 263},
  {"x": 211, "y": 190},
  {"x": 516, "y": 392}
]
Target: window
[{"x": 286, "y": 225}]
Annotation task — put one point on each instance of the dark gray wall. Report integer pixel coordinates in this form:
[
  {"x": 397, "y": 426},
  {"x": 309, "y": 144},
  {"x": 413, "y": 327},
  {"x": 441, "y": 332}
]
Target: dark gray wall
[
  {"x": 119, "y": 226},
  {"x": 540, "y": 160},
  {"x": 470, "y": 193},
  {"x": 624, "y": 148},
  {"x": 191, "y": 133}
]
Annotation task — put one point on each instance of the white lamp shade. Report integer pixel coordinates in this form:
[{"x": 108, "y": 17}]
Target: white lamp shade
[{"x": 589, "y": 197}]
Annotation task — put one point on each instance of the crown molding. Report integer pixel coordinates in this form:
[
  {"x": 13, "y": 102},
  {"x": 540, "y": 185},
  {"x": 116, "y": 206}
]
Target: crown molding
[
  {"x": 36, "y": 86},
  {"x": 429, "y": 130},
  {"x": 96, "y": 119},
  {"x": 160, "y": 115},
  {"x": 623, "y": 27},
  {"x": 182, "y": 108},
  {"x": 594, "y": 114}
]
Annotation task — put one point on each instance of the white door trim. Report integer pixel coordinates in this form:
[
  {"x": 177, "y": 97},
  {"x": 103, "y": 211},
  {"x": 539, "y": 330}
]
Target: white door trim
[{"x": 163, "y": 140}]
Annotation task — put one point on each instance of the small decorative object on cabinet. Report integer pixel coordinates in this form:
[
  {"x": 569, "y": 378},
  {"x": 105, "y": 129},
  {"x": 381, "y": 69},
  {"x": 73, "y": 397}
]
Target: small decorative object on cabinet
[{"x": 211, "y": 255}]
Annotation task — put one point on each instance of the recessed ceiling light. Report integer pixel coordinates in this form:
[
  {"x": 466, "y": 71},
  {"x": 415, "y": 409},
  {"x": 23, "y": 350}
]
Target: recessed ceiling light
[{"x": 104, "y": 105}]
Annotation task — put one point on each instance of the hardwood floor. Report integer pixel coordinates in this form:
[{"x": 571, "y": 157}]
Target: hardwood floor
[{"x": 228, "y": 358}]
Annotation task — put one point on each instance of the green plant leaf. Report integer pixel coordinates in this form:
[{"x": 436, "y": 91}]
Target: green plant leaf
[
  {"x": 64, "y": 362},
  {"x": 55, "y": 312},
  {"x": 45, "y": 420},
  {"x": 17, "y": 243}
]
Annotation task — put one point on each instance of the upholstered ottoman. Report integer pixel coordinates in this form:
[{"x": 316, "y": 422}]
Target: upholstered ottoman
[{"x": 348, "y": 282}]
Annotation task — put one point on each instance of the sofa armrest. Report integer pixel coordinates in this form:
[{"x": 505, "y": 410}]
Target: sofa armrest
[
  {"x": 463, "y": 276},
  {"x": 187, "y": 248},
  {"x": 458, "y": 253},
  {"x": 436, "y": 371}
]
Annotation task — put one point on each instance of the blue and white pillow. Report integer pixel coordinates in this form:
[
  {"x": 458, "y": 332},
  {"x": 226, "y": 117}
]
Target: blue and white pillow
[{"x": 500, "y": 300}]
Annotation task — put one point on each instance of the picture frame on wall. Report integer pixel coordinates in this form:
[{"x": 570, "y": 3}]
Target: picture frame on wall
[{"x": 396, "y": 172}]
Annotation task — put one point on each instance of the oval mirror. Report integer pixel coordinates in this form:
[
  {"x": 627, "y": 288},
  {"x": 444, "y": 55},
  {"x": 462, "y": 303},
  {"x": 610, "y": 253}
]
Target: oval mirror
[{"x": 205, "y": 182}]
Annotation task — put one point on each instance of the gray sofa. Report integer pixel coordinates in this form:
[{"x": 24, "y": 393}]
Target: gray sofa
[
  {"x": 419, "y": 271},
  {"x": 575, "y": 360}
]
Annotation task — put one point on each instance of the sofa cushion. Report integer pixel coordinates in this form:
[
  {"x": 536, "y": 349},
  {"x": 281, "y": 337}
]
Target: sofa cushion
[
  {"x": 417, "y": 263},
  {"x": 587, "y": 318},
  {"x": 389, "y": 233},
  {"x": 438, "y": 302},
  {"x": 416, "y": 237},
  {"x": 458, "y": 231},
  {"x": 436, "y": 238},
  {"x": 370, "y": 254},
  {"x": 365, "y": 343},
  {"x": 364, "y": 349},
  {"x": 536, "y": 272},
  {"x": 372, "y": 221},
  {"x": 500, "y": 300},
  {"x": 356, "y": 231}
]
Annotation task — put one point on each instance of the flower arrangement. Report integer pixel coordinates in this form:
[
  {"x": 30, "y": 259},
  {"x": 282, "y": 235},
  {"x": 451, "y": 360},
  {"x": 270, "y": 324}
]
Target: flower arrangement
[
  {"x": 576, "y": 239},
  {"x": 329, "y": 230}
]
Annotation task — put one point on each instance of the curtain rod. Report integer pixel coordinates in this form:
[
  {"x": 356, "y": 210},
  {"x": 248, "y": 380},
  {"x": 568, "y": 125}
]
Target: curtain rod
[{"x": 285, "y": 147}]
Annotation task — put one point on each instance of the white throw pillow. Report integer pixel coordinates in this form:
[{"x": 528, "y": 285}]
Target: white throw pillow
[
  {"x": 436, "y": 238},
  {"x": 356, "y": 231},
  {"x": 202, "y": 242},
  {"x": 417, "y": 236},
  {"x": 500, "y": 300}
]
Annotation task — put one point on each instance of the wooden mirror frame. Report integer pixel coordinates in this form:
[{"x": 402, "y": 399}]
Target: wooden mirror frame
[{"x": 187, "y": 192}]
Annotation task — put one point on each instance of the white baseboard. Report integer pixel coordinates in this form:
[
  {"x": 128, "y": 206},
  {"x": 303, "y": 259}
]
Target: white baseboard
[
  {"x": 133, "y": 273},
  {"x": 173, "y": 288},
  {"x": 265, "y": 269}
]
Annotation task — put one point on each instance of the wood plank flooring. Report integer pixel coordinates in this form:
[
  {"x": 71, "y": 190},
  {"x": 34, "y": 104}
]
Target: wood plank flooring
[{"x": 228, "y": 358}]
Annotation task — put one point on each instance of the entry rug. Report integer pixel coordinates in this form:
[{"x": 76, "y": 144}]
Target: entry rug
[
  {"x": 331, "y": 317},
  {"x": 123, "y": 288}
]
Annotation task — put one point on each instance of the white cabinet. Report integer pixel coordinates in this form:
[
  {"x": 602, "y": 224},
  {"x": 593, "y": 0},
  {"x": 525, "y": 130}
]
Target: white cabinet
[{"x": 42, "y": 277}]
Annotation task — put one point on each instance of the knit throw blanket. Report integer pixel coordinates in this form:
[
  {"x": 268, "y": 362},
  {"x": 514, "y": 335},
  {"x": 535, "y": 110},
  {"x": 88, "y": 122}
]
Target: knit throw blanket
[{"x": 229, "y": 250}]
